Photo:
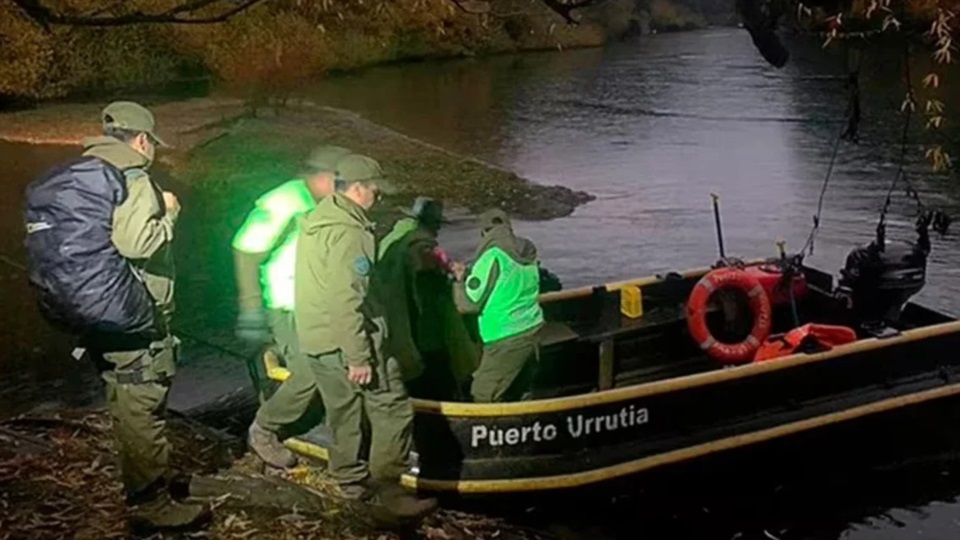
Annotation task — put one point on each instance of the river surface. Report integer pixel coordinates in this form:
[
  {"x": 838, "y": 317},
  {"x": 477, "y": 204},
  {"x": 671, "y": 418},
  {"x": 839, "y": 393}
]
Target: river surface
[{"x": 651, "y": 128}]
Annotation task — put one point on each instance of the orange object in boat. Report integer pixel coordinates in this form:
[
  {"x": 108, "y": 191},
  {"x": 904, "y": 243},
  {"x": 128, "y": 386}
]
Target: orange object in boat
[
  {"x": 807, "y": 338},
  {"x": 746, "y": 284}
]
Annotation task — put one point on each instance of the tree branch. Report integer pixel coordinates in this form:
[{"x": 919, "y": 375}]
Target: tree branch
[
  {"x": 476, "y": 7},
  {"x": 180, "y": 14},
  {"x": 565, "y": 9}
]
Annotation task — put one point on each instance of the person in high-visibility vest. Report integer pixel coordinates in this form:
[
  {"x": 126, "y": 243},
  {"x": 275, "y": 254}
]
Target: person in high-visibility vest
[
  {"x": 503, "y": 287},
  {"x": 265, "y": 250}
]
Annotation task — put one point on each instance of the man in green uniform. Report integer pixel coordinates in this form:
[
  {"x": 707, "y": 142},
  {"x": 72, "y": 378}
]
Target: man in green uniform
[
  {"x": 427, "y": 334},
  {"x": 265, "y": 250},
  {"x": 137, "y": 372},
  {"x": 503, "y": 287},
  {"x": 341, "y": 325}
]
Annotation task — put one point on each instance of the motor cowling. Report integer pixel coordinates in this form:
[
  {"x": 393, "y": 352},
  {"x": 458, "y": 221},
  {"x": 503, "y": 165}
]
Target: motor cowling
[{"x": 880, "y": 282}]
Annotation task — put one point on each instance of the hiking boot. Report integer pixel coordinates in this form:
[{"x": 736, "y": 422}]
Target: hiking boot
[
  {"x": 268, "y": 447},
  {"x": 163, "y": 512},
  {"x": 388, "y": 503},
  {"x": 400, "y": 504}
]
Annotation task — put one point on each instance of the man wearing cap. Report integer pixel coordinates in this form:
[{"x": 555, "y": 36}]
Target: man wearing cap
[
  {"x": 503, "y": 287},
  {"x": 427, "y": 335},
  {"x": 265, "y": 249},
  {"x": 341, "y": 325},
  {"x": 99, "y": 234}
]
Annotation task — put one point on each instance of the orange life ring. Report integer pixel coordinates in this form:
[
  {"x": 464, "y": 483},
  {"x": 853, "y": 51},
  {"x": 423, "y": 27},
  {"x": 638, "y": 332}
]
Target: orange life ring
[{"x": 729, "y": 278}]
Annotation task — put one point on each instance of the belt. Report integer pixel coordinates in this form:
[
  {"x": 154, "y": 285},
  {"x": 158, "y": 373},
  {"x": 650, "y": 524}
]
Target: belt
[{"x": 157, "y": 366}]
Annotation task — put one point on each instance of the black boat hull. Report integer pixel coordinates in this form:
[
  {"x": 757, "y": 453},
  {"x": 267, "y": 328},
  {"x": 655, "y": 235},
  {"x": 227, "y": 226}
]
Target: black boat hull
[{"x": 620, "y": 428}]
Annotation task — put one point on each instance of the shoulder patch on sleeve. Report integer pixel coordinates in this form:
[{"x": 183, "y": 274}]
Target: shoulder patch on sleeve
[{"x": 362, "y": 265}]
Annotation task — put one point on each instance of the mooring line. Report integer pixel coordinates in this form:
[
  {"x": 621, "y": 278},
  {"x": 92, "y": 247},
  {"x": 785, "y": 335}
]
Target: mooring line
[{"x": 179, "y": 331}]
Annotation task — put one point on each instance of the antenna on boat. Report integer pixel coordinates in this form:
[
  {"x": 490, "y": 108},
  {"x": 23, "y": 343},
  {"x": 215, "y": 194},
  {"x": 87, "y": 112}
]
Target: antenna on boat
[{"x": 716, "y": 218}]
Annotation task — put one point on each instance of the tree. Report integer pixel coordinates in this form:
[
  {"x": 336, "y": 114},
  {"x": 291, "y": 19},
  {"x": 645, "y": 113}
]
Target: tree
[
  {"x": 126, "y": 12},
  {"x": 119, "y": 13}
]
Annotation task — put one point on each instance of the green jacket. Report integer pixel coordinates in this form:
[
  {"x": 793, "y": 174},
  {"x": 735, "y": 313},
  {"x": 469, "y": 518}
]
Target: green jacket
[
  {"x": 265, "y": 247},
  {"x": 334, "y": 306},
  {"x": 142, "y": 226},
  {"x": 405, "y": 255},
  {"x": 503, "y": 286},
  {"x": 401, "y": 228}
]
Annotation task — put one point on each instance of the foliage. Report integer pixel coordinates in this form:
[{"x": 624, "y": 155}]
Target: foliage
[
  {"x": 928, "y": 23},
  {"x": 669, "y": 16},
  {"x": 271, "y": 47},
  {"x": 257, "y": 54},
  {"x": 26, "y": 53}
]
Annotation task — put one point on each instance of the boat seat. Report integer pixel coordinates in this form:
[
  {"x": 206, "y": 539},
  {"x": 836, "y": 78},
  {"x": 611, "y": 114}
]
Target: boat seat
[{"x": 615, "y": 325}]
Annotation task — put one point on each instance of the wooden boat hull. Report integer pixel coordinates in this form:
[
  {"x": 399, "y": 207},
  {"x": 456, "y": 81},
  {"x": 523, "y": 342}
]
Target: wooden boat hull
[{"x": 575, "y": 440}]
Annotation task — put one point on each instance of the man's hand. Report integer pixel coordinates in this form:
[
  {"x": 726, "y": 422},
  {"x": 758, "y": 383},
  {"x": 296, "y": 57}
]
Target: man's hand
[
  {"x": 361, "y": 375},
  {"x": 171, "y": 202},
  {"x": 459, "y": 269},
  {"x": 252, "y": 326}
]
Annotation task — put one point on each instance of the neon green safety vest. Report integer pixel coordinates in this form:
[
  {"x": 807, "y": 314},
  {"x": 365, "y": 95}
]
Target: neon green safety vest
[
  {"x": 272, "y": 227},
  {"x": 512, "y": 306}
]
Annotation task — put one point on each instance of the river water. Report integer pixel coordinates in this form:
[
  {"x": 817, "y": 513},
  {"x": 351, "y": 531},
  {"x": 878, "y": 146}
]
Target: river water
[{"x": 651, "y": 128}]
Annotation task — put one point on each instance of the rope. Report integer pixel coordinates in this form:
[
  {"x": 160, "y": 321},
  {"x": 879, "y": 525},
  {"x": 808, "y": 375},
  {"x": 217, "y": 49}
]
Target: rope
[
  {"x": 849, "y": 131},
  {"x": 179, "y": 331},
  {"x": 901, "y": 169}
]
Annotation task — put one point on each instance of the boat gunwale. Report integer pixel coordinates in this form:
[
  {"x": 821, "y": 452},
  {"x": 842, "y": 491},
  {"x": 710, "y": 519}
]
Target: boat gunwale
[
  {"x": 614, "y": 395},
  {"x": 603, "y": 397}
]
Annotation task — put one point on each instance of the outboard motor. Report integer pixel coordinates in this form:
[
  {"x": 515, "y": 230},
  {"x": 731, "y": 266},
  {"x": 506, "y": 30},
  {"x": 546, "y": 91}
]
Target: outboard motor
[{"x": 880, "y": 278}]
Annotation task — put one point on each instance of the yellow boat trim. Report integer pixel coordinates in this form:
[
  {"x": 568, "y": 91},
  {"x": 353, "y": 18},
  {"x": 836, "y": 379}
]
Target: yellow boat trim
[
  {"x": 623, "y": 469},
  {"x": 671, "y": 385},
  {"x": 615, "y": 395},
  {"x": 280, "y": 374},
  {"x": 308, "y": 449}
]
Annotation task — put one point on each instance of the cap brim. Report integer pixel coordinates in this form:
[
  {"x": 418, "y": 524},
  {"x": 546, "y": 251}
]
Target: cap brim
[
  {"x": 160, "y": 142},
  {"x": 385, "y": 186}
]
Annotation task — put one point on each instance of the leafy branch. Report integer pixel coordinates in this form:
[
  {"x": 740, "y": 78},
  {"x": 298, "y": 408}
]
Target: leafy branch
[
  {"x": 191, "y": 12},
  {"x": 215, "y": 11},
  {"x": 890, "y": 17}
]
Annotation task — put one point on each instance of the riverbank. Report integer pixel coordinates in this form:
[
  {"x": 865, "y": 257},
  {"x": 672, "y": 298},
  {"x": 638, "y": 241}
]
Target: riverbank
[
  {"x": 220, "y": 145},
  {"x": 268, "y": 48},
  {"x": 58, "y": 479}
]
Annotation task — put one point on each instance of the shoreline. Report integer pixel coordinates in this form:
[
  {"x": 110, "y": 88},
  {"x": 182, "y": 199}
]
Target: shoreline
[{"x": 217, "y": 140}]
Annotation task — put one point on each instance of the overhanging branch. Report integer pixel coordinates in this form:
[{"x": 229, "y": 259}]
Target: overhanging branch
[
  {"x": 565, "y": 9},
  {"x": 186, "y": 13}
]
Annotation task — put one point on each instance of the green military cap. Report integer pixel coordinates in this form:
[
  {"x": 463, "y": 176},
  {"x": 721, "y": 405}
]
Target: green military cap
[
  {"x": 130, "y": 116},
  {"x": 493, "y": 218},
  {"x": 324, "y": 158},
  {"x": 359, "y": 168}
]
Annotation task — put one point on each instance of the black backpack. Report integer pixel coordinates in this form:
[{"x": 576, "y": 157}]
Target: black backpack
[{"x": 83, "y": 284}]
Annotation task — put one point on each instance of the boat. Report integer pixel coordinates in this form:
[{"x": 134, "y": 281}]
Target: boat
[{"x": 615, "y": 395}]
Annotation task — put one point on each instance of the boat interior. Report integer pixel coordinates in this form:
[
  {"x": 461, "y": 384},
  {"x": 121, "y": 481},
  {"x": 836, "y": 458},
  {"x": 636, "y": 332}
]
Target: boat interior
[{"x": 589, "y": 345}]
